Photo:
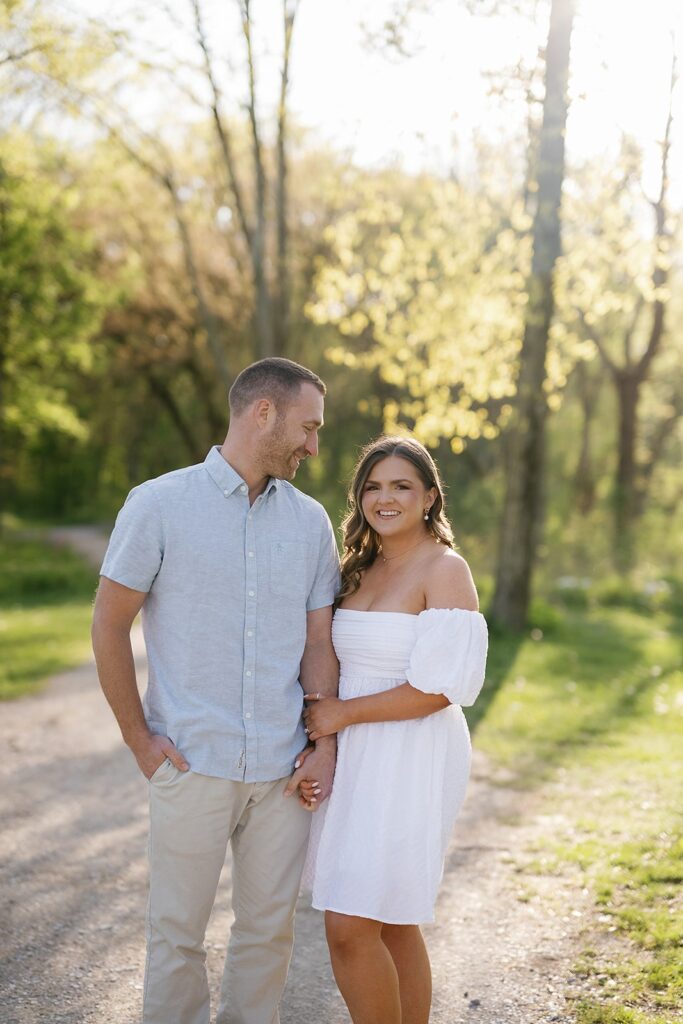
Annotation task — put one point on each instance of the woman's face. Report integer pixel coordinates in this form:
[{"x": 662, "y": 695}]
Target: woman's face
[{"x": 394, "y": 497}]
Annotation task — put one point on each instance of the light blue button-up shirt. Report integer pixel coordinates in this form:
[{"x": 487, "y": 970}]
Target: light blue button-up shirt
[{"x": 228, "y": 587}]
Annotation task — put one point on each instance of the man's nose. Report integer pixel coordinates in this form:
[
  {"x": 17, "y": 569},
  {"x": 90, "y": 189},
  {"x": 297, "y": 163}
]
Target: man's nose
[{"x": 312, "y": 445}]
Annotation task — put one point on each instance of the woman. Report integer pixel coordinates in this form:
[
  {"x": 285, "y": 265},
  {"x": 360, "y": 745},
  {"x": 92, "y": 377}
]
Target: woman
[{"x": 412, "y": 649}]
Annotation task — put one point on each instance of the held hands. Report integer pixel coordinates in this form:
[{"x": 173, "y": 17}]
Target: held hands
[
  {"x": 324, "y": 716},
  {"x": 314, "y": 767},
  {"x": 313, "y": 775}
]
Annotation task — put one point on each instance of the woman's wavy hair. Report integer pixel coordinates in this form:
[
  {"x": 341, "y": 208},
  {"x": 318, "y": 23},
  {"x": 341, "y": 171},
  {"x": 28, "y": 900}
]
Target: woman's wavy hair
[{"x": 361, "y": 542}]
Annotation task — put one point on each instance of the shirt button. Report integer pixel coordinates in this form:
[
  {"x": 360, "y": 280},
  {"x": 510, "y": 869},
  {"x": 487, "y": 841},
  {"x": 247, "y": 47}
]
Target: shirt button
[
  {"x": 248, "y": 714},
  {"x": 251, "y": 593},
  {"x": 226, "y": 493},
  {"x": 250, "y": 632},
  {"x": 248, "y": 673},
  {"x": 243, "y": 489},
  {"x": 251, "y": 554}
]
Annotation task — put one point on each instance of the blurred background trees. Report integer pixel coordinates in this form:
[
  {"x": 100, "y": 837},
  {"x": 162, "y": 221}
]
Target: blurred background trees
[{"x": 149, "y": 250}]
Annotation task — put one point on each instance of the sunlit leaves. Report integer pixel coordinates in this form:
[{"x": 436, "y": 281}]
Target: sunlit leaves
[{"x": 425, "y": 283}]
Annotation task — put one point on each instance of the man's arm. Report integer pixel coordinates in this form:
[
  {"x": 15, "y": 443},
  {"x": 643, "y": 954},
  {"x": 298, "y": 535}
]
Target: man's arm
[
  {"x": 319, "y": 672},
  {"x": 115, "y": 609}
]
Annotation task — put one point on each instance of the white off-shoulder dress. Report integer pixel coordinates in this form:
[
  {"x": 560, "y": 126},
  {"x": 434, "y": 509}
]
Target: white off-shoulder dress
[{"x": 378, "y": 844}]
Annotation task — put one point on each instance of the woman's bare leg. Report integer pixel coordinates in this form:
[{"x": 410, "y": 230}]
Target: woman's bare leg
[
  {"x": 407, "y": 948},
  {"x": 363, "y": 969}
]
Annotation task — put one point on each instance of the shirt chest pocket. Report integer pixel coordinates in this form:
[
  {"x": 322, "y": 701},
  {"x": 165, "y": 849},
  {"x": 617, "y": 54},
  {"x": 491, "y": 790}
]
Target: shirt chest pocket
[{"x": 289, "y": 572}]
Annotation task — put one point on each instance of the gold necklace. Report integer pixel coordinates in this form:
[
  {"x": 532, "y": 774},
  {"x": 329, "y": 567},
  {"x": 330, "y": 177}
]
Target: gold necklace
[{"x": 407, "y": 551}]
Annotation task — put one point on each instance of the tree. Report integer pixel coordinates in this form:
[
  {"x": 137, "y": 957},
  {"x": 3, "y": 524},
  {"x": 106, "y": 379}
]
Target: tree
[
  {"x": 522, "y": 508},
  {"x": 254, "y": 197},
  {"x": 271, "y": 292},
  {"x": 616, "y": 288},
  {"x": 648, "y": 280},
  {"x": 51, "y": 301}
]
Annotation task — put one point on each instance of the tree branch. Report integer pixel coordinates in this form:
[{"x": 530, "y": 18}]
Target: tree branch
[
  {"x": 14, "y": 58},
  {"x": 289, "y": 12},
  {"x": 660, "y": 274},
  {"x": 222, "y": 133},
  {"x": 598, "y": 342}
]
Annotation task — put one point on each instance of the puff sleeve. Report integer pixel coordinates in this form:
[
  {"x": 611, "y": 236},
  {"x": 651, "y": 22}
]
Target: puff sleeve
[{"x": 449, "y": 655}]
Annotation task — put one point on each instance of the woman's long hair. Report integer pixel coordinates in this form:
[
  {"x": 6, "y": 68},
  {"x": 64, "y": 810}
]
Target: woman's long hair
[{"x": 361, "y": 543}]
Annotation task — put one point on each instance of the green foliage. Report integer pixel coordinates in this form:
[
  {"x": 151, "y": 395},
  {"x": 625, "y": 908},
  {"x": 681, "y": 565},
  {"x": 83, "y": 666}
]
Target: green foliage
[
  {"x": 424, "y": 281},
  {"x": 50, "y": 297}
]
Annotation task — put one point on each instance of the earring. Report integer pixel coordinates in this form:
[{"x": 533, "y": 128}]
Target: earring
[{"x": 427, "y": 511}]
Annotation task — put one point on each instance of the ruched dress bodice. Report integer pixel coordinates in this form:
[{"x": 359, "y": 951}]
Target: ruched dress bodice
[
  {"x": 377, "y": 846},
  {"x": 373, "y": 649}
]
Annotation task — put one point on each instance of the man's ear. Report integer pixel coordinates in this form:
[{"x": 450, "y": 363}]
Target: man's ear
[{"x": 264, "y": 412}]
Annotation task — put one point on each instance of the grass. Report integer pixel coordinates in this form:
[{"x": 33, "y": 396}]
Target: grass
[
  {"x": 45, "y": 609},
  {"x": 591, "y": 711}
]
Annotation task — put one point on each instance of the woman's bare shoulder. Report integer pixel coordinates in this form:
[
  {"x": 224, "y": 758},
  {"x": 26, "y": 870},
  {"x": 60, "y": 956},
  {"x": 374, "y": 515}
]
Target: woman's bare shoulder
[{"x": 449, "y": 582}]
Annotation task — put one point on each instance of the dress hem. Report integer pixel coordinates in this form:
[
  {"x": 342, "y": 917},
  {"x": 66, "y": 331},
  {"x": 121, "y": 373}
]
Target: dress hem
[{"x": 373, "y": 917}]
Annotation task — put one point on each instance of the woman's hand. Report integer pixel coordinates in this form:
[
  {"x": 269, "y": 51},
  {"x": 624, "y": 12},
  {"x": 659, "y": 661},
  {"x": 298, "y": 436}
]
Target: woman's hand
[
  {"x": 309, "y": 789},
  {"x": 324, "y": 716}
]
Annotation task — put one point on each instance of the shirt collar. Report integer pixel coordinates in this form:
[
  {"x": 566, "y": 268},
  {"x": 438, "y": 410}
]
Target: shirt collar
[{"x": 227, "y": 478}]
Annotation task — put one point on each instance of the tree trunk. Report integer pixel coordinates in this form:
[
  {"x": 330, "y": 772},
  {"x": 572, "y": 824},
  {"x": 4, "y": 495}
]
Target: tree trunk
[
  {"x": 4, "y": 350},
  {"x": 206, "y": 317},
  {"x": 656, "y": 445},
  {"x": 627, "y": 387},
  {"x": 584, "y": 480},
  {"x": 629, "y": 378},
  {"x": 158, "y": 387},
  {"x": 263, "y": 311},
  {"x": 522, "y": 509}
]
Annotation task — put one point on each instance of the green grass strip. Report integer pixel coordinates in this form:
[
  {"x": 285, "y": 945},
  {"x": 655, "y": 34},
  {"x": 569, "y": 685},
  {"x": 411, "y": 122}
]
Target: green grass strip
[
  {"x": 591, "y": 711},
  {"x": 45, "y": 609}
]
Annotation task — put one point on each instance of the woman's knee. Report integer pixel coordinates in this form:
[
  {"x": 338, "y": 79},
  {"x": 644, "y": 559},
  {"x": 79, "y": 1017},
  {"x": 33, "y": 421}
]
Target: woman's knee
[{"x": 347, "y": 936}]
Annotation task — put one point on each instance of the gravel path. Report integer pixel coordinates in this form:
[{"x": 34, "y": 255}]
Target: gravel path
[{"x": 73, "y": 884}]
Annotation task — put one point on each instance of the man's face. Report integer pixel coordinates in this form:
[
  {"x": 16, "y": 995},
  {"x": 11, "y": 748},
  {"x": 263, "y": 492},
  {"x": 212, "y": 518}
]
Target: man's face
[{"x": 294, "y": 435}]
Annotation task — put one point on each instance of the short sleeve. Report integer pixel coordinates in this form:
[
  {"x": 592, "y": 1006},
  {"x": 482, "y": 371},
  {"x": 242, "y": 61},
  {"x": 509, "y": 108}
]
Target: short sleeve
[
  {"x": 136, "y": 546},
  {"x": 449, "y": 655},
  {"x": 326, "y": 581}
]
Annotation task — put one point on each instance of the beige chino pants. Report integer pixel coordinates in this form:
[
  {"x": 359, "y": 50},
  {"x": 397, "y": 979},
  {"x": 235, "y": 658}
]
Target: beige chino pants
[{"x": 192, "y": 819}]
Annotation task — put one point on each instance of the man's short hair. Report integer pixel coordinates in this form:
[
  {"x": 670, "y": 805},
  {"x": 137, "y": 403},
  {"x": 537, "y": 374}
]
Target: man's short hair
[{"x": 278, "y": 379}]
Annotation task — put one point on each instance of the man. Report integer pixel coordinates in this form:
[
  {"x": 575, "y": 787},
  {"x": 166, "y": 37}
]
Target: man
[{"x": 235, "y": 571}]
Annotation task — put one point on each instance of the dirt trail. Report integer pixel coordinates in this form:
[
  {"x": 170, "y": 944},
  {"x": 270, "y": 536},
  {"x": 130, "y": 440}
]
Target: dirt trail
[{"x": 73, "y": 884}]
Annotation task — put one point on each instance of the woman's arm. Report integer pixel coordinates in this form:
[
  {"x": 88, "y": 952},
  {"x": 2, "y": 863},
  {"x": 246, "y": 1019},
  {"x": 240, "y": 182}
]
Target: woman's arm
[
  {"x": 449, "y": 586},
  {"x": 327, "y": 715}
]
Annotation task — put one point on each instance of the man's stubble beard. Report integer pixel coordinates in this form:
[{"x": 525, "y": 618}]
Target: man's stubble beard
[{"x": 277, "y": 457}]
